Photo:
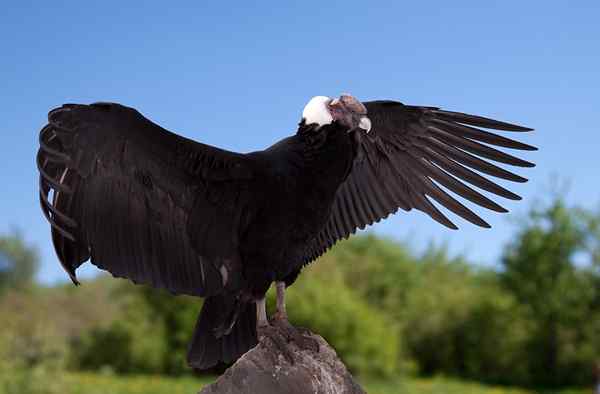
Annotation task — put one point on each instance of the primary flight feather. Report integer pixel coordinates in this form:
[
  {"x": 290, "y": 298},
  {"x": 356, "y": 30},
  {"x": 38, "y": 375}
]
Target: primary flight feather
[{"x": 146, "y": 204}]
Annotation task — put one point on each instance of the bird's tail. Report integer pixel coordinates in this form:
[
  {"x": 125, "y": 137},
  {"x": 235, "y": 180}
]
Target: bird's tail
[{"x": 225, "y": 330}]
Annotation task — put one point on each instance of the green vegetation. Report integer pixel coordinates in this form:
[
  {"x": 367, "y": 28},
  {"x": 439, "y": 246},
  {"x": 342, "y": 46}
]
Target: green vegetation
[
  {"x": 18, "y": 262},
  {"x": 396, "y": 317},
  {"x": 103, "y": 383},
  {"x": 87, "y": 383},
  {"x": 561, "y": 297}
]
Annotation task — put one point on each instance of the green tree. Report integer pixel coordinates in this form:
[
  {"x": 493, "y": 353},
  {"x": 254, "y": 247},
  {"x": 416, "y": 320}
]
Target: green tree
[
  {"x": 18, "y": 261},
  {"x": 174, "y": 317},
  {"x": 149, "y": 335},
  {"x": 380, "y": 270},
  {"x": 32, "y": 349},
  {"x": 540, "y": 270}
]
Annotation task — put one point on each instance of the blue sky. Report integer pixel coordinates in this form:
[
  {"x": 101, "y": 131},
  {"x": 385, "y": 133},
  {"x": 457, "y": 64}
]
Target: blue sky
[{"x": 238, "y": 75}]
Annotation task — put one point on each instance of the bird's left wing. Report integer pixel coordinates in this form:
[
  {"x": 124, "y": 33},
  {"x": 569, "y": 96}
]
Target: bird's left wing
[
  {"x": 139, "y": 201},
  {"x": 410, "y": 156}
]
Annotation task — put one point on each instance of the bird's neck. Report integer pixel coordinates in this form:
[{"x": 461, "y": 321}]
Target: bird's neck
[
  {"x": 327, "y": 138},
  {"x": 329, "y": 154}
]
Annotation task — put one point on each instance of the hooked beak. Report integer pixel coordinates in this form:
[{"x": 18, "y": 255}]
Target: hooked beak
[
  {"x": 365, "y": 124},
  {"x": 350, "y": 112}
]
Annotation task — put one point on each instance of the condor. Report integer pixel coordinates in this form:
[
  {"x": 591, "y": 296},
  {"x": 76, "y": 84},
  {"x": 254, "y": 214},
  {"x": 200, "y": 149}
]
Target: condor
[{"x": 146, "y": 204}]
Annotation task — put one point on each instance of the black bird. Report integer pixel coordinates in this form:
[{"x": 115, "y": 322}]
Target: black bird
[{"x": 149, "y": 205}]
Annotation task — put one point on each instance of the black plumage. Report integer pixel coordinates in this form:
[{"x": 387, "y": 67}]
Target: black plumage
[{"x": 148, "y": 205}]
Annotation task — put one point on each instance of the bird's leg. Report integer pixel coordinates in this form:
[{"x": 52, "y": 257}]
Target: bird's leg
[
  {"x": 300, "y": 336},
  {"x": 265, "y": 330},
  {"x": 280, "y": 313},
  {"x": 261, "y": 313},
  {"x": 279, "y": 330}
]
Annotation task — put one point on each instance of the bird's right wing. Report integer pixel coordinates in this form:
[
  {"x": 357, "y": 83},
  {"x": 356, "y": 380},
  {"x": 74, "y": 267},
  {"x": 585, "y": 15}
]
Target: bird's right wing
[
  {"x": 141, "y": 202},
  {"x": 407, "y": 159}
]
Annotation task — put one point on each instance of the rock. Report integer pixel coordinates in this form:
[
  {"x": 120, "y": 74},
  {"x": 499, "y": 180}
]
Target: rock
[{"x": 264, "y": 370}]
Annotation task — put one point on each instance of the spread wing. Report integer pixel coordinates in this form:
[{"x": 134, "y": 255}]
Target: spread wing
[
  {"x": 140, "y": 201},
  {"x": 417, "y": 154}
]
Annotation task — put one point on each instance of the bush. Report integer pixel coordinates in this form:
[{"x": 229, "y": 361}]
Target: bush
[
  {"x": 494, "y": 338},
  {"x": 103, "y": 347},
  {"x": 153, "y": 332},
  {"x": 18, "y": 262},
  {"x": 32, "y": 352},
  {"x": 150, "y": 335},
  {"x": 363, "y": 338},
  {"x": 380, "y": 271},
  {"x": 545, "y": 268},
  {"x": 381, "y": 306},
  {"x": 451, "y": 318}
]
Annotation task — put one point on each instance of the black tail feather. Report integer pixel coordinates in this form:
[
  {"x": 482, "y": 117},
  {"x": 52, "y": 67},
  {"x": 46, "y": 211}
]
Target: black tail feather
[{"x": 208, "y": 347}]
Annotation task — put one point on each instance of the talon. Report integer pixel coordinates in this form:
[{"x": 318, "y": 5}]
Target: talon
[
  {"x": 279, "y": 331},
  {"x": 301, "y": 337},
  {"x": 309, "y": 343},
  {"x": 304, "y": 331},
  {"x": 279, "y": 339}
]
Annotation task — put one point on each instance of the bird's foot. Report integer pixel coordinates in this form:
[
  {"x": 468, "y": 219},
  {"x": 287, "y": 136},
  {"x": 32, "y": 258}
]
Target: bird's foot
[
  {"x": 281, "y": 333},
  {"x": 278, "y": 338},
  {"x": 300, "y": 336}
]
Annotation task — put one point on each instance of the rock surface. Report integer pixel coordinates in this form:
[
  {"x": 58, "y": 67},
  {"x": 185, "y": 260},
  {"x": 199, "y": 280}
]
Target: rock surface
[{"x": 264, "y": 370}]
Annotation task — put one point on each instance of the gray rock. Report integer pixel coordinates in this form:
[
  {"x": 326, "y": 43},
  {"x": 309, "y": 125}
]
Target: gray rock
[{"x": 264, "y": 370}]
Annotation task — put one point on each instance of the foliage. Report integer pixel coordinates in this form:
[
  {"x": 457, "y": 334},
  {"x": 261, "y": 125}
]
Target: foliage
[
  {"x": 104, "y": 347},
  {"x": 106, "y": 383},
  {"x": 31, "y": 353},
  {"x": 155, "y": 328},
  {"x": 450, "y": 317},
  {"x": 386, "y": 309},
  {"x": 173, "y": 318},
  {"x": 151, "y": 336},
  {"x": 540, "y": 269},
  {"x": 458, "y": 323},
  {"x": 381, "y": 271},
  {"x": 18, "y": 262}
]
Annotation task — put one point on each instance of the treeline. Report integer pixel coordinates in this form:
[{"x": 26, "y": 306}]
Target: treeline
[{"x": 533, "y": 320}]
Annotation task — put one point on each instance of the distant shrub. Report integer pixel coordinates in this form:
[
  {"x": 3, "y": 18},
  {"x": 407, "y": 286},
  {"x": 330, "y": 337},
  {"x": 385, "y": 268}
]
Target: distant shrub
[
  {"x": 363, "y": 338},
  {"x": 450, "y": 317},
  {"x": 103, "y": 347},
  {"x": 380, "y": 271},
  {"x": 383, "y": 307},
  {"x": 32, "y": 352},
  {"x": 151, "y": 335}
]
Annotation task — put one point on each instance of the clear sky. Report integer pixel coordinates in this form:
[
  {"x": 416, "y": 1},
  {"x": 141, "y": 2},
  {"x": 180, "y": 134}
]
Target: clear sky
[{"x": 237, "y": 76}]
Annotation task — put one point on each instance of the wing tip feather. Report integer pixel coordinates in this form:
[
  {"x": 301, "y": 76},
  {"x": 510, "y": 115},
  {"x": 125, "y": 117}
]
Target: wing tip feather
[{"x": 481, "y": 121}]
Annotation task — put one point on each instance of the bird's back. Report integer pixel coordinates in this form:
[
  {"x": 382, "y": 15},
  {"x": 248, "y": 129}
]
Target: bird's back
[{"x": 300, "y": 181}]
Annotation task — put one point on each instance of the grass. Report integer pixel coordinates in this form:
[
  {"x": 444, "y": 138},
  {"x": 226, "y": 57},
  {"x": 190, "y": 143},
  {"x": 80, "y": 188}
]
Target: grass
[
  {"x": 93, "y": 383},
  {"x": 90, "y": 383},
  {"x": 440, "y": 385}
]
